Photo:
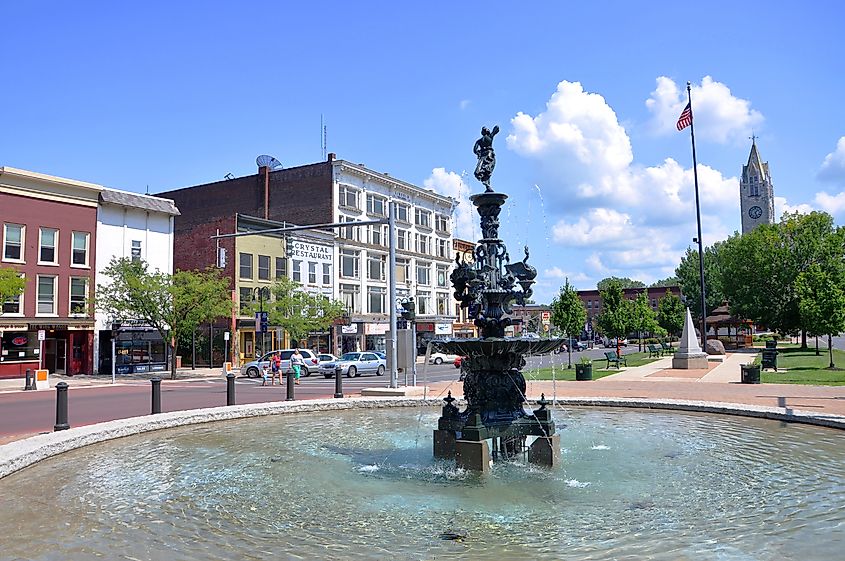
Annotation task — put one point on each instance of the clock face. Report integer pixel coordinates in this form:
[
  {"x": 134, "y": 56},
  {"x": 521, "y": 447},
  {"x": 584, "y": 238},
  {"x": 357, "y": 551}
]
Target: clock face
[{"x": 755, "y": 212}]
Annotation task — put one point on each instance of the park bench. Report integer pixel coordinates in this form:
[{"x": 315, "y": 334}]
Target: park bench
[
  {"x": 667, "y": 348},
  {"x": 655, "y": 351},
  {"x": 611, "y": 356}
]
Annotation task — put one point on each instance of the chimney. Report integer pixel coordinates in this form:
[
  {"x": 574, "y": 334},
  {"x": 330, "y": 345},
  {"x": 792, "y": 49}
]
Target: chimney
[
  {"x": 331, "y": 157},
  {"x": 264, "y": 172}
]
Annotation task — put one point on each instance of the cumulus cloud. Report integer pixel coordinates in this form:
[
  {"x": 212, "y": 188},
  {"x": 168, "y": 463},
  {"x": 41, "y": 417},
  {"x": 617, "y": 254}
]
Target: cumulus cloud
[
  {"x": 599, "y": 226},
  {"x": 560, "y": 274},
  {"x": 452, "y": 185},
  {"x": 782, "y": 206},
  {"x": 833, "y": 166},
  {"x": 718, "y": 115},
  {"x": 833, "y": 204}
]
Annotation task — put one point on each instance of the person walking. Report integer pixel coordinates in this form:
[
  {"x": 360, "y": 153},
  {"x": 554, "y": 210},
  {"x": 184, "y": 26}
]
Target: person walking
[
  {"x": 276, "y": 365},
  {"x": 297, "y": 361}
]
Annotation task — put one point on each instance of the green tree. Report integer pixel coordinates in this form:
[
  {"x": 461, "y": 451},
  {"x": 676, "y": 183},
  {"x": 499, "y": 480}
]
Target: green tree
[
  {"x": 624, "y": 282},
  {"x": 174, "y": 305},
  {"x": 822, "y": 303},
  {"x": 568, "y": 314},
  {"x": 671, "y": 313},
  {"x": 11, "y": 284},
  {"x": 643, "y": 318},
  {"x": 667, "y": 282},
  {"x": 298, "y": 312},
  {"x": 614, "y": 321},
  {"x": 689, "y": 279}
]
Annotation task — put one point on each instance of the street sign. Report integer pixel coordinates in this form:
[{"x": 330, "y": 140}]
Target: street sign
[
  {"x": 401, "y": 324},
  {"x": 226, "y": 336},
  {"x": 261, "y": 322},
  {"x": 41, "y": 334},
  {"x": 546, "y": 317}
]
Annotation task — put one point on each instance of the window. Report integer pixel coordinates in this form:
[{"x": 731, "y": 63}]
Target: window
[
  {"x": 47, "y": 246},
  {"x": 296, "y": 270},
  {"x": 349, "y": 232},
  {"x": 442, "y": 303},
  {"x": 312, "y": 272},
  {"x": 246, "y": 266},
  {"x": 441, "y": 223},
  {"x": 46, "y": 295},
  {"x": 423, "y": 218},
  {"x": 13, "y": 306},
  {"x": 350, "y": 295},
  {"x": 423, "y": 274},
  {"x": 245, "y": 300},
  {"x": 78, "y": 295},
  {"x": 375, "y": 299},
  {"x": 375, "y": 267},
  {"x": 347, "y": 197},
  {"x": 376, "y": 234},
  {"x": 422, "y": 244},
  {"x": 136, "y": 250},
  {"x": 442, "y": 276},
  {"x": 327, "y": 274},
  {"x": 402, "y": 239},
  {"x": 79, "y": 249},
  {"x": 403, "y": 270},
  {"x": 423, "y": 303},
  {"x": 13, "y": 238},
  {"x": 403, "y": 212},
  {"x": 264, "y": 267},
  {"x": 281, "y": 267},
  {"x": 442, "y": 248},
  {"x": 349, "y": 263},
  {"x": 376, "y": 205}
]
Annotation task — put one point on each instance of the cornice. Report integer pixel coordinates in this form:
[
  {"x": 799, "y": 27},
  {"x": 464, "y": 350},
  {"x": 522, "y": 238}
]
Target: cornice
[{"x": 344, "y": 166}]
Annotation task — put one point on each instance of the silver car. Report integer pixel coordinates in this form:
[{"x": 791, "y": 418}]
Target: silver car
[
  {"x": 254, "y": 368},
  {"x": 355, "y": 364}
]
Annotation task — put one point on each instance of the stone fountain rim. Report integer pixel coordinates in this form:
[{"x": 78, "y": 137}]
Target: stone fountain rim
[{"x": 24, "y": 453}]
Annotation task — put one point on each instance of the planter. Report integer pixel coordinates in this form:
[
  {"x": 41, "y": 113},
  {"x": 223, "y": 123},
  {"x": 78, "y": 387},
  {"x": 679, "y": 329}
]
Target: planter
[
  {"x": 583, "y": 372},
  {"x": 750, "y": 373}
]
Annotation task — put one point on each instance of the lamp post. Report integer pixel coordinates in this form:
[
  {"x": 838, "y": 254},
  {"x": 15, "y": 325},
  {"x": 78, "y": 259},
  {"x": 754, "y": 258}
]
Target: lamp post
[
  {"x": 261, "y": 293},
  {"x": 409, "y": 314}
]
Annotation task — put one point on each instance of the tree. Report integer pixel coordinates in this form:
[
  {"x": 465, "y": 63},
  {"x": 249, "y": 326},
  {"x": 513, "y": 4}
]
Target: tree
[
  {"x": 689, "y": 279},
  {"x": 174, "y": 305},
  {"x": 667, "y": 282},
  {"x": 624, "y": 282},
  {"x": 822, "y": 303},
  {"x": 298, "y": 312},
  {"x": 642, "y": 316},
  {"x": 671, "y": 313},
  {"x": 11, "y": 284},
  {"x": 615, "y": 317},
  {"x": 568, "y": 314}
]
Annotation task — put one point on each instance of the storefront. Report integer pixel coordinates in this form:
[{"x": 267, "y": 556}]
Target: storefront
[
  {"x": 350, "y": 338},
  {"x": 140, "y": 349},
  {"x": 66, "y": 349},
  {"x": 375, "y": 336},
  {"x": 19, "y": 351}
]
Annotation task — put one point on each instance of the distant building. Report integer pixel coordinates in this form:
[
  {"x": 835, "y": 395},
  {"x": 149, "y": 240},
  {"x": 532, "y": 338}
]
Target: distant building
[
  {"x": 463, "y": 326},
  {"x": 756, "y": 192},
  {"x": 592, "y": 298}
]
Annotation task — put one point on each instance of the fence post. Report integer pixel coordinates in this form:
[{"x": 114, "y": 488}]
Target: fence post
[
  {"x": 290, "y": 379},
  {"x": 230, "y": 389},
  {"x": 156, "y": 408},
  {"x": 338, "y": 381},
  {"x": 61, "y": 407}
]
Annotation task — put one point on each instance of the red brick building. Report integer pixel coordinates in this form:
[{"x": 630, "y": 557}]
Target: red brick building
[{"x": 48, "y": 234}]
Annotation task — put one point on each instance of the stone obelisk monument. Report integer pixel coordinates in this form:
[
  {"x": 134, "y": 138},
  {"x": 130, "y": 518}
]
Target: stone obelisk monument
[{"x": 689, "y": 354}]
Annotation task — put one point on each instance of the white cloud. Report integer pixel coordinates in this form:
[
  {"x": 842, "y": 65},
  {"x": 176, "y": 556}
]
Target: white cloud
[
  {"x": 452, "y": 185},
  {"x": 560, "y": 274},
  {"x": 833, "y": 204},
  {"x": 781, "y": 206},
  {"x": 464, "y": 103},
  {"x": 833, "y": 166},
  {"x": 718, "y": 115},
  {"x": 595, "y": 264},
  {"x": 599, "y": 226}
]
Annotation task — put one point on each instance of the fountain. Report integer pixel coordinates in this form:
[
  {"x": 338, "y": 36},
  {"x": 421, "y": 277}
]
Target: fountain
[{"x": 494, "y": 386}]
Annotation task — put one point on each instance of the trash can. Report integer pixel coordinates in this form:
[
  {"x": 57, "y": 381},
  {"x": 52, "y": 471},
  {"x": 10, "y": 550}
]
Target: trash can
[
  {"x": 583, "y": 372},
  {"x": 750, "y": 373},
  {"x": 772, "y": 344},
  {"x": 770, "y": 359}
]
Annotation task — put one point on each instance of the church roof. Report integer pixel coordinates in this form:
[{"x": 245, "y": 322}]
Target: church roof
[{"x": 755, "y": 162}]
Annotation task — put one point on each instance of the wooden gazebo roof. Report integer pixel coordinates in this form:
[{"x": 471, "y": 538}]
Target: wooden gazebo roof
[{"x": 721, "y": 317}]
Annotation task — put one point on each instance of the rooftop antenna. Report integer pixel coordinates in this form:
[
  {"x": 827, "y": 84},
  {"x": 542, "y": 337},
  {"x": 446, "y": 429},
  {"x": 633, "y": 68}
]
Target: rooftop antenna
[
  {"x": 268, "y": 161},
  {"x": 323, "y": 135},
  {"x": 229, "y": 176},
  {"x": 148, "y": 189}
]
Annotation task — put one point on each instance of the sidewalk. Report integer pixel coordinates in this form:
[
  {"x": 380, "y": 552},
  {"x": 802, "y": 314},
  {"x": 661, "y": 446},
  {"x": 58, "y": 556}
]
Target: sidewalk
[
  {"x": 182, "y": 374},
  {"x": 726, "y": 372}
]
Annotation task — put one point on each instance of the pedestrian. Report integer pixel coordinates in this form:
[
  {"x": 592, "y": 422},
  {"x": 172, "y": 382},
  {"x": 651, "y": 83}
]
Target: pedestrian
[
  {"x": 296, "y": 363},
  {"x": 276, "y": 367}
]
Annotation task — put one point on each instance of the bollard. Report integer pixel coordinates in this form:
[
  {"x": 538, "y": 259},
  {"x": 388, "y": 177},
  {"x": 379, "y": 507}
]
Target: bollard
[
  {"x": 291, "y": 377},
  {"x": 156, "y": 396},
  {"x": 61, "y": 407},
  {"x": 338, "y": 381},
  {"x": 30, "y": 380},
  {"x": 230, "y": 389}
]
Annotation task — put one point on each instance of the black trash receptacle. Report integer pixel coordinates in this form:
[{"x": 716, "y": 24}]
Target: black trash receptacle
[
  {"x": 583, "y": 372},
  {"x": 770, "y": 359},
  {"x": 750, "y": 373},
  {"x": 772, "y": 344}
]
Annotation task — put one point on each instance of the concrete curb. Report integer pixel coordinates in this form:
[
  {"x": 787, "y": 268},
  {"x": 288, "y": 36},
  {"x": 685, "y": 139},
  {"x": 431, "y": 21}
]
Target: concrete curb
[{"x": 20, "y": 454}]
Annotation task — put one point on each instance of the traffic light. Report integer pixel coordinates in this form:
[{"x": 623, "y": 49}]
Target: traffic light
[{"x": 409, "y": 310}]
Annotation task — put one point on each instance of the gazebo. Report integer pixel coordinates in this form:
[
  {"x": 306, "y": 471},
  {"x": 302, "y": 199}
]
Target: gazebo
[{"x": 722, "y": 318}]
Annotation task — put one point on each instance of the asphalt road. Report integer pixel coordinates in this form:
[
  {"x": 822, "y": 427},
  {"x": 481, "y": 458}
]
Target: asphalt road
[{"x": 27, "y": 413}]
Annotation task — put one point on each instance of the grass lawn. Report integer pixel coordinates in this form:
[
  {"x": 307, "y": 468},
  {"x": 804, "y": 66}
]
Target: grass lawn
[
  {"x": 563, "y": 373},
  {"x": 804, "y": 367}
]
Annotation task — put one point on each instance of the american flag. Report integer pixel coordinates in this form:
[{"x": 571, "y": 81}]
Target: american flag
[{"x": 686, "y": 118}]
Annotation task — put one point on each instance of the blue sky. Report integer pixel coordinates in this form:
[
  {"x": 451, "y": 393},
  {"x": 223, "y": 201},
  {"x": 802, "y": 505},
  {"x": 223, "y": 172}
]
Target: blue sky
[{"x": 168, "y": 94}]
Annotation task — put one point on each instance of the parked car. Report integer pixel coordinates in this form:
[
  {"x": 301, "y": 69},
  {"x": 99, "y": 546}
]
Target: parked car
[
  {"x": 355, "y": 364},
  {"x": 529, "y": 335},
  {"x": 254, "y": 368},
  {"x": 573, "y": 344},
  {"x": 440, "y": 358},
  {"x": 611, "y": 343}
]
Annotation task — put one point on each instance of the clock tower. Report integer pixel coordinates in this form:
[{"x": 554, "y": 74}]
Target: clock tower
[{"x": 756, "y": 193}]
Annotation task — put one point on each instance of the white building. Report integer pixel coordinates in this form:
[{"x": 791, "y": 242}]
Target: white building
[{"x": 138, "y": 227}]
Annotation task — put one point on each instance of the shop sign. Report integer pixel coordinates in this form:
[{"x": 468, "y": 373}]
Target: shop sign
[
  {"x": 425, "y": 326},
  {"x": 376, "y": 328},
  {"x": 307, "y": 251},
  {"x": 349, "y": 329},
  {"x": 20, "y": 340},
  {"x": 443, "y": 329}
]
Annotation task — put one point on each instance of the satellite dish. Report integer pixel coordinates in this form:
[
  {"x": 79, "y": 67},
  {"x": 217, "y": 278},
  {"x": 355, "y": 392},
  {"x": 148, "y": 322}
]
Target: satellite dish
[{"x": 268, "y": 161}]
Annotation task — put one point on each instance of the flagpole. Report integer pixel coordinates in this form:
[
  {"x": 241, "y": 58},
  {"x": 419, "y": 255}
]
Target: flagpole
[{"x": 703, "y": 321}]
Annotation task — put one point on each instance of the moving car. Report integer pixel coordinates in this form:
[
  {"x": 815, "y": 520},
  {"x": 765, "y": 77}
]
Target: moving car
[
  {"x": 440, "y": 358},
  {"x": 325, "y": 357},
  {"x": 611, "y": 343},
  {"x": 254, "y": 368},
  {"x": 355, "y": 364},
  {"x": 573, "y": 344}
]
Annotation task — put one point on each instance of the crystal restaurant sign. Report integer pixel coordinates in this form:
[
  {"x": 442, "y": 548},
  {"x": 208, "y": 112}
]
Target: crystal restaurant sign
[{"x": 308, "y": 251}]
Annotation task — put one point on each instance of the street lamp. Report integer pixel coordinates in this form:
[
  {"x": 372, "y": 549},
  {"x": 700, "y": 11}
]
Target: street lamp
[
  {"x": 409, "y": 314},
  {"x": 261, "y": 293}
]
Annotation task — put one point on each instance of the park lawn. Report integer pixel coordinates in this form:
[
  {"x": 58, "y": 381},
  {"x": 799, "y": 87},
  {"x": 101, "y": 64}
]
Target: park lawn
[
  {"x": 565, "y": 374},
  {"x": 804, "y": 367}
]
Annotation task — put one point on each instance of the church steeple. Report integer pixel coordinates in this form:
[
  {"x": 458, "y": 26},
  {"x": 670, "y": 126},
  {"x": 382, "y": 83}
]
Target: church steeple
[{"x": 756, "y": 192}]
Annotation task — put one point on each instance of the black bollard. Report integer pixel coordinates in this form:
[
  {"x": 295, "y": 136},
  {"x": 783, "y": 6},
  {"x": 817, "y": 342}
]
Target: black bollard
[
  {"x": 61, "y": 407},
  {"x": 291, "y": 378},
  {"x": 30, "y": 380},
  {"x": 338, "y": 381},
  {"x": 156, "y": 395},
  {"x": 230, "y": 389}
]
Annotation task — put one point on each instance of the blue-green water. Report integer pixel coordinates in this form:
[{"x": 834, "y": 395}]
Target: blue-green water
[{"x": 363, "y": 485}]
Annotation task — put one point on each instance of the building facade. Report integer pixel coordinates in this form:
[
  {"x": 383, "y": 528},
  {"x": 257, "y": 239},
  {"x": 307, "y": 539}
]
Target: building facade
[
  {"x": 49, "y": 227},
  {"x": 463, "y": 326},
  {"x": 756, "y": 192},
  {"x": 592, "y": 299}
]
